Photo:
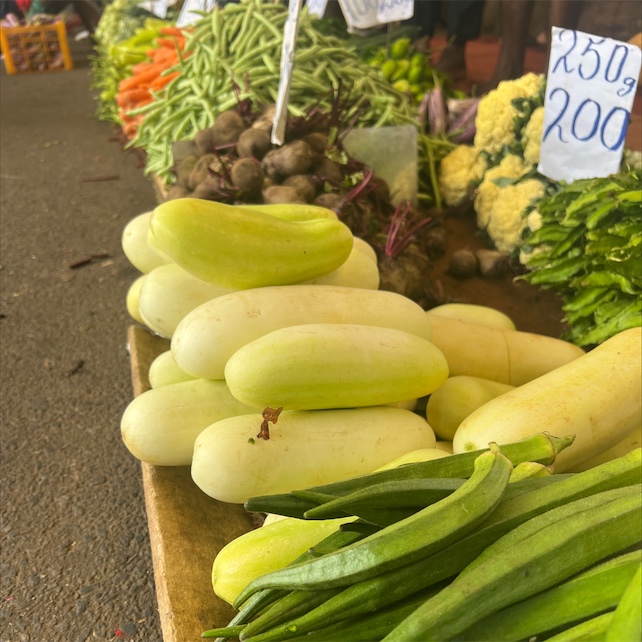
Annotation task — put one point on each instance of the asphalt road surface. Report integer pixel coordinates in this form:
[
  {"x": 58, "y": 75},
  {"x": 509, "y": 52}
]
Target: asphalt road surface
[{"x": 75, "y": 558}]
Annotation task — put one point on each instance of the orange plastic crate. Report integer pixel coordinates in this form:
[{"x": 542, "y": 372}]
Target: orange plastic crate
[{"x": 35, "y": 48}]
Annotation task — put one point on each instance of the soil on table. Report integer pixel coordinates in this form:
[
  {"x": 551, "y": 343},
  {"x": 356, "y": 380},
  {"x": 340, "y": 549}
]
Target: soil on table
[{"x": 532, "y": 309}]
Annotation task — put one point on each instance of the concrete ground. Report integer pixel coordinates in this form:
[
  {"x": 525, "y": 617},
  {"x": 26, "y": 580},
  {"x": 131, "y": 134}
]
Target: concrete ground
[{"x": 75, "y": 559}]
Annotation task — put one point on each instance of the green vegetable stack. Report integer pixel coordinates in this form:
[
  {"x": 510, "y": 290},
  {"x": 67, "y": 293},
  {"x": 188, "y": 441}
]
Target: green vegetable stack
[
  {"x": 500, "y": 554},
  {"x": 234, "y": 56},
  {"x": 585, "y": 242}
]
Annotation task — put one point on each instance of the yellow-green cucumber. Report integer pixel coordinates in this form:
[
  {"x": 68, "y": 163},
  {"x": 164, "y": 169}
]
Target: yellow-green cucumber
[
  {"x": 164, "y": 371},
  {"x": 596, "y": 397},
  {"x": 472, "y": 313},
  {"x": 132, "y": 300},
  {"x": 210, "y": 334},
  {"x": 630, "y": 442},
  {"x": 242, "y": 248},
  {"x": 135, "y": 245},
  {"x": 507, "y": 356},
  {"x": 160, "y": 425},
  {"x": 626, "y": 625},
  {"x": 457, "y": 398},
  {"x": 305, "y": 448},
  {"x": 255, "y": 553},
  {"x": 334, "y": 365}
]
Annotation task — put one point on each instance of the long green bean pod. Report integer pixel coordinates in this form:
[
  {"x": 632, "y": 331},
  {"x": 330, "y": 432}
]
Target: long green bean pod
[{"x": 626, "y": 625}]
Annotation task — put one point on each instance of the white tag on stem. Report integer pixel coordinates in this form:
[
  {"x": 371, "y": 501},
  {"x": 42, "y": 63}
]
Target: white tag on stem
[{"x": 395, "y": 10}]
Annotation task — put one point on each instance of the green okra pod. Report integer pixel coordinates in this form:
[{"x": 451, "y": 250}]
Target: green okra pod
[
  {"x": 380, "y": 591},
  {"x": 416, "y": 537},
  {"x": 593, "y": 630},
  {"x": 548, "y": 556},
  {"x": 542, "y": 448},
  {"x": 626, "y": 624},
  {"x": 595, "y": 591}
]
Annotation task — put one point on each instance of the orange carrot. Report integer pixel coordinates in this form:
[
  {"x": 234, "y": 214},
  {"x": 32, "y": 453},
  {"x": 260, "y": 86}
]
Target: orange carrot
[
  {"x": 161, "y": 81},
  {"x": 142, "y": 78},
  {"x": 172, "y": 31},
  {"x": 132, "y": 96}
]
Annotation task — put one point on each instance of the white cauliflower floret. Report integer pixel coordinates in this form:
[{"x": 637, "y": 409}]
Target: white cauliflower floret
[
  {"x": 507, "y": 220},
  {"x": 534, "y": 221},
  {"x": 512, "y": 167},
  {"x": 495, "y": 114},
  {"x": 459, "y": 170},
  {"x": 532, "y": 136}
]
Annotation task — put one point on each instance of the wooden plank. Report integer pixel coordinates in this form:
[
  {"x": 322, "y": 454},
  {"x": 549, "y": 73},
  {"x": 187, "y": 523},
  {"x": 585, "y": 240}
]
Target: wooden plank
[{"x": 186, "y": 527}]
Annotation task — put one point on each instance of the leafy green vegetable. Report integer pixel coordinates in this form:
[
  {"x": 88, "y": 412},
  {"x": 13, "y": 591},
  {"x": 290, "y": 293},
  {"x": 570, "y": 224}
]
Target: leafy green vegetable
[{"x": 589, "y": 250}]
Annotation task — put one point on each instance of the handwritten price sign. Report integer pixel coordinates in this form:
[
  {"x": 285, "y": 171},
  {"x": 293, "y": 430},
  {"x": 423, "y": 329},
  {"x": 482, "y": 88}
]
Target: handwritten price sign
[{"x": 589, "y": 95}]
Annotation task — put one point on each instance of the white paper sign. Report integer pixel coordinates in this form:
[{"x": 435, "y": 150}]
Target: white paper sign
[
  {"x": 290, "y": 31},
  {"x": 360, "y": 14},
  {"x": 395, "y": 10},
  {"x": 188, "y": 15},
  {"x": 589, "y": 96},
  {"x": 156, "y": 7},
  {"x": 317, "y": 7}
]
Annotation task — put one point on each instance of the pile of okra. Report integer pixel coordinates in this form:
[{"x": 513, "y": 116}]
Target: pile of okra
[{"x": 486, "y": 545}]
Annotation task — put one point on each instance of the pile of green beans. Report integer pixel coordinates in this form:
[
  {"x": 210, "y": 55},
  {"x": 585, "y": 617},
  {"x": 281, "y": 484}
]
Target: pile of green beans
[
  {"x": 483, "y": 563},
  {"x": 234, "y": 53}
]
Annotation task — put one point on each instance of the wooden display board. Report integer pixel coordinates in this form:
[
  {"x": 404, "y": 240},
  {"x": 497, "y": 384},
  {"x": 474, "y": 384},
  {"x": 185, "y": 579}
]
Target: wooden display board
[{"x": 186, "y": 527}]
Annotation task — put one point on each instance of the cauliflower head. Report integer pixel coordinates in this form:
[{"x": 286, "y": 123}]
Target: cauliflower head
[
  {"x": 460, "y": 169},
  {"x": 495, "y": 126},
  {"x": 532, "y": 136},
  {"x": 511, "y": 167},
  {"x": 507, "y": 218}
]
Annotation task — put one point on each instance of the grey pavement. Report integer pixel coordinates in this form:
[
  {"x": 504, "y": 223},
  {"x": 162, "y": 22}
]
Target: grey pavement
[{"x": 75, "y": 560}]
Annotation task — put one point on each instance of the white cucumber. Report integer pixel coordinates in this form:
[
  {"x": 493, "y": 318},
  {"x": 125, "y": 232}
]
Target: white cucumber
[
  {"x": 334, "y": 365},
  {"x": 163, "y": 371},
  {"x": 169, "y": 294},
  {"x": 132, "y": 300},
  {"x": 471, "y": 313},
  {"x": 305, "y": 448},
  {"x": 597, "y": 398},
  {"x": 136, "y": 247},
  {"x": 160, "y": 425},
  {"x": 212, "y": 333},
  {"x": 358, "y": 271}
]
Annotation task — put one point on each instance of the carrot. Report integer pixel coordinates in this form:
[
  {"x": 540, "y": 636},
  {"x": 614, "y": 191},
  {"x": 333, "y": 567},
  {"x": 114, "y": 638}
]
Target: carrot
[
  {"x": 162, "y": 55},
  {"x": 140, "y": 67},
  {"x": 132, "y": 96},
  {"x": 161, "y": 81},
  {"x": 172, "y": 31},
  {"x": 141, "y": 79}
]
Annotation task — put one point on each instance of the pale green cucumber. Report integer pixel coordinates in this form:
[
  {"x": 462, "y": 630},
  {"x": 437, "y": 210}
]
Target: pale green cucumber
[
  {"x": 547, "y": 557},
  {"x": 132, "y": 300},
  {"x": 595, "y": 591},
  {"x": 596, "y": 397},
  {"x": 305, "y": 448},
  {"x": 169, "y": 294},
  {"x": 242, "y": 248},
  {"x": 135, "y": 245},
  {"x": 333, "y": 365},
  {"x": 470, "y": 313},
  {"x": 163, "y": 371},
  {"x": 160, "y": 425},
  {"x": 358, "y": 271},
  {"x": 208, "y": 336},
  {"x": 626, "y": 625}
]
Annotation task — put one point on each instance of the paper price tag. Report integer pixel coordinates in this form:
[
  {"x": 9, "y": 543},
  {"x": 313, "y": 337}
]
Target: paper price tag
[
  {"x": 288, "y": 50},
  {"x": 590, "y": 90},
  {"x": 188, "y": 15},
  {"x": 395, "y": 10},
  {"x": 360, "y": 14},
  {"x": 317, "y": 7},
  {"x": 156, "y": 7}
]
